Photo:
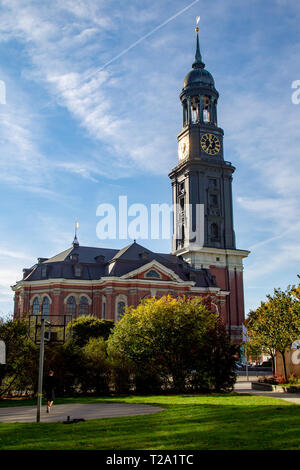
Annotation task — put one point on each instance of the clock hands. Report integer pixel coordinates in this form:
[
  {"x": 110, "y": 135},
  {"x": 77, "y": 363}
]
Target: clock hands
[{"x": 210, "y": 144}]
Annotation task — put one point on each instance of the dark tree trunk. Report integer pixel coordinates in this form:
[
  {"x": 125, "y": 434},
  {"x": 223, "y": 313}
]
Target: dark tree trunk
[
  {"x": 273, "y": 363},
  {"x": 284, "y": 365}
]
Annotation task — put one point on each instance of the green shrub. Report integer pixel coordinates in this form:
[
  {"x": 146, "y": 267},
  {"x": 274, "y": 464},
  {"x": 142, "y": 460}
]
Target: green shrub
[
  {"x": 175, "y": 343},
  {"x": 97, "y": 367},
  {"x": 87, "y": 327}
]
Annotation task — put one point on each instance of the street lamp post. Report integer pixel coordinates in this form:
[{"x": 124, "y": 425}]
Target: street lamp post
[{"x": 41, "y": 370}]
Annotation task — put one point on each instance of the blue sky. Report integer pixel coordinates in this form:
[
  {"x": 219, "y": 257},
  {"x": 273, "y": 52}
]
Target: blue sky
[{"x": 75, "y": 134}]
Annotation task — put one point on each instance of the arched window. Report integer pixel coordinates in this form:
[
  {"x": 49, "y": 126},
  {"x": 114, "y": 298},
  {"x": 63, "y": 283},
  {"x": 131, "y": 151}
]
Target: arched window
[
  {"x": 120, "y": 310},
  {"x": 36, "y": 306},
  {"x": 71, "y": 306},
  {"x": 45, "y": 307},
  {"x": 83, "y": 306},
  {"x": 206, "y": 117},
  {"x": 206, "y": 109},
  {"x": 104, "y": 307},
  {"x": 152, "y": 273}
]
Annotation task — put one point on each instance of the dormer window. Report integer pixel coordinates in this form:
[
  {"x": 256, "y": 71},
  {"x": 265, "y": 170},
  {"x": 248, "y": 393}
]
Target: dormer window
[
  {"x": 100, "y": 259},
  {"x": 74, "y": 257},
  {"x": 77, "y": 270},
  {"x": 152, "y": 273},
  {"x": 144, "y": 255},
  {"x": 44, "y": 271}
]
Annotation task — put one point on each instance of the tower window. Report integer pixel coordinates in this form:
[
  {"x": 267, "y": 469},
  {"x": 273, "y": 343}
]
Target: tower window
[
  {"x": 206, "y": 106},
  {"x": 206, "y": 117},
  {"x": 213, "y": 200},
  {"x": 195, "y": 108},
  {"x": 214, "y": 231}
]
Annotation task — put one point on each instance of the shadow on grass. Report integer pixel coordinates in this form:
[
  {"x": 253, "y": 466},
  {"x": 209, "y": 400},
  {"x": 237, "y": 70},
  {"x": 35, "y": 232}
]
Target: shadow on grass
[{"x": 188, "y": 422}]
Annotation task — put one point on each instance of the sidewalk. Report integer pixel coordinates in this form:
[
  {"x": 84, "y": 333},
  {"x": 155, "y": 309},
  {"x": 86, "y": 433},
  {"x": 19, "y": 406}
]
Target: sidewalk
[
  {"x": 244, "y": 386},
  {"x": 27, "y": 414}
]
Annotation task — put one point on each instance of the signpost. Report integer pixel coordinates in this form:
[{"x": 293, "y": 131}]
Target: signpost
[
  {"x": 57, "y": 332},
  {"x": 41, "y": 371},
  {"x": 246, "y": 340}
]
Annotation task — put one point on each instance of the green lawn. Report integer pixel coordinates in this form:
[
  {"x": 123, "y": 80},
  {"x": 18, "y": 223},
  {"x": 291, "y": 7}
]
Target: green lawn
[{"x": 188, "y": 422}]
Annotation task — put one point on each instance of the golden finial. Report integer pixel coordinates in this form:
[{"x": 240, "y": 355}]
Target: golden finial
[{"x": 197, "y": 22}]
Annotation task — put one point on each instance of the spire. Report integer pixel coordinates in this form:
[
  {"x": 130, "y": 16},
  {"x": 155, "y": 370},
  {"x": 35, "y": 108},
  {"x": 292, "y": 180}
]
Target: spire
[
  {"x": 75, "y": 241},
  {"x": 198, "y": 64}
]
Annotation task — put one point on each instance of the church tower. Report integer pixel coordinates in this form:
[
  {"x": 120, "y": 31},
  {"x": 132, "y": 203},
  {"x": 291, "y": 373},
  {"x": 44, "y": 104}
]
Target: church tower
[{"x": 202, "y": 192}]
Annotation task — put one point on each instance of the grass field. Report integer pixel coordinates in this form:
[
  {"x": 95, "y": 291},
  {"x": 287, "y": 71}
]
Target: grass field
[{"x": 188, "y": 422}]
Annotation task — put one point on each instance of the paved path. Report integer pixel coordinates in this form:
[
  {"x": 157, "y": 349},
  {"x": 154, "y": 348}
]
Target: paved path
[
  {"x": 245, "y": 387},
  {"x": 27, "y": 414}
]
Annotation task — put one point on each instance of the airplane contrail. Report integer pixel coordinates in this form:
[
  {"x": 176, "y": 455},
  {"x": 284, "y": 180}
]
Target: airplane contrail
[
  {"x": 94, "y": 72},
  {"x": 142, "y": 38}
]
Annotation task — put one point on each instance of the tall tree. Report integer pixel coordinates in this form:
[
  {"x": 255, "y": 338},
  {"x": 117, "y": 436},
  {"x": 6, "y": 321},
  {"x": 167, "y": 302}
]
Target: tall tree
[
  {"x": 276, "y": 323},
  {"x": 167, "y": 338}
]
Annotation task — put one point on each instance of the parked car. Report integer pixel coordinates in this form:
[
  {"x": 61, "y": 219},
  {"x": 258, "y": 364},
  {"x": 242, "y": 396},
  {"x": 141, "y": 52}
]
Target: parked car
[
  {"x": 239, "y": 366},
  {"x": 266, "y": 364}
]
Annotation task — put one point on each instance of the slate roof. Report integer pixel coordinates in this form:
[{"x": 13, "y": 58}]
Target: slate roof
[{"x": 94, "y": 263}]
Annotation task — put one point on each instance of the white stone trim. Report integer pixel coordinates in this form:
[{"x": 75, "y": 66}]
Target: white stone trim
[
  {"x": 153, "y": 277},
  {"x": 101, "y": 284},
  {"x": 33, "y": 297},
  {"x": 76, "y": 297},
  {"x": 84, "y": 295},
  {"x": 153, "y": 265},
  {"x": 46, "y": 295},
  {"x": 204, "y": 257}
]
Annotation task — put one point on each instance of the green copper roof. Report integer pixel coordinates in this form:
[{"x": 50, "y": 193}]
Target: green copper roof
[
  {"x": 198, "y": 64},
  {"x": 199, "y": 76}
]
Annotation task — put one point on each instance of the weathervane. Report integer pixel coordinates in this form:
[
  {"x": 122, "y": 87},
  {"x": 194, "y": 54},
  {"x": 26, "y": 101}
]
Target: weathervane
[
  {"x": 197, "y": 22},
  {"x": 198, "y": 64},
  {"x": 75, "y": 242}
]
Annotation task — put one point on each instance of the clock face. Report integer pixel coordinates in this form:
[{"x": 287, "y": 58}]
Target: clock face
[
  {"x": 183, "y": 148},
  {"x": 211, "y": 144}
]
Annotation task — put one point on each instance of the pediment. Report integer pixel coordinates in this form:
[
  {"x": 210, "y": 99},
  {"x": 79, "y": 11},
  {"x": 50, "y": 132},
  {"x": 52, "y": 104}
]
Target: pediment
[{"x": 153, "y": 271}]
